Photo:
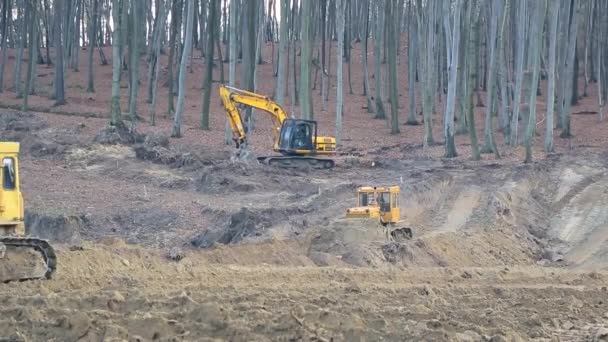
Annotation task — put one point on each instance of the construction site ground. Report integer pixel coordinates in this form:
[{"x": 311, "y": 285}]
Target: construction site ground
[{"x": 176, "y": 240}]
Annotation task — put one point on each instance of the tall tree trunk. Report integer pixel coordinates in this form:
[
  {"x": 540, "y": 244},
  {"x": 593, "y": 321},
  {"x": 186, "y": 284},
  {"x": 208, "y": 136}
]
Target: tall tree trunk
[
  {"x": 519, "y": 68},
  {"x": 535, "y": 40},
  {"x": 453, "y": 53},
  {"x": 283, "y": 39},
  {"x": 305, "y": 61},
  {"x": 59, "y": 84},
  {"x": 366, "y": 86},
  {"x": 6, "y": 9},
  {"x": 233, "y": 58},
  {"x": 565, "y": 115},
  {"x": 553, "y": 20},
  {"x": 340, "y": 82},
  {"x": 393, "y": 37},
  {"x": 412, "y": 47},
  {"x": 92, "y": 35},
  {"x": 116, "y": 119},
  {"x": 472, "y": 60},
  {"x": 177, "y": 123},
  {"x": 211, "y": 20},
  {"x": 21, "y": 34},
  {"x": 33, "y": 29},
  {"x": 496, "y": 12},
  {"x": 156, "y": 54},
  {"x": 176, "y": 13},
  {"x": 134, "y": 49},
  {"x": 378, "y": 33}
]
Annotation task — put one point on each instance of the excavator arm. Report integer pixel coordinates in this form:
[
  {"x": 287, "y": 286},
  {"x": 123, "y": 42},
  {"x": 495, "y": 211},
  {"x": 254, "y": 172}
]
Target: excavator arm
[{"x": 233, "y": 96}]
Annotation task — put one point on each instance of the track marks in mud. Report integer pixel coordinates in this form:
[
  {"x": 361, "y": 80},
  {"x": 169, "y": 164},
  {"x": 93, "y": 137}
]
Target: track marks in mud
[{"x": 582, "y": 222}]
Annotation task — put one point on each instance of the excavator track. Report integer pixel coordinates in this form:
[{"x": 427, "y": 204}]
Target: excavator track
[
  {"x": 297, "y": 162},
  {"x": 41, "y": 246}
]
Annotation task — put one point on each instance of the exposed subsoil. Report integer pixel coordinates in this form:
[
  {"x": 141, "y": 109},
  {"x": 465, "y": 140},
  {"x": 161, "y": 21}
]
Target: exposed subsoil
[{"x": 174, "y": 240}]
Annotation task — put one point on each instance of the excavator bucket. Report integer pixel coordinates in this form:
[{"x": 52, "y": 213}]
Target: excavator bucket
[{"x": 23, "y": 258}]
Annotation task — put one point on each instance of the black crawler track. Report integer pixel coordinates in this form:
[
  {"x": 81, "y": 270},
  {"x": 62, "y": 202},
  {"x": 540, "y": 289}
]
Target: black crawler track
[{"x": 41, "y": 246}]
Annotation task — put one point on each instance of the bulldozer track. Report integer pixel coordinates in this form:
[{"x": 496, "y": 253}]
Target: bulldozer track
[{"x": 41, "y": 246}]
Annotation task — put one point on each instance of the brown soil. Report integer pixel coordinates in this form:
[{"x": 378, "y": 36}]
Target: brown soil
[{"x": 501, "y": 251}]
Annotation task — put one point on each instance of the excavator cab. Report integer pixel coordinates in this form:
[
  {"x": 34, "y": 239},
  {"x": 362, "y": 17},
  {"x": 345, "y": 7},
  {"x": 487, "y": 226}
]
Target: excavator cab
[{"x": 297, "y": 137}]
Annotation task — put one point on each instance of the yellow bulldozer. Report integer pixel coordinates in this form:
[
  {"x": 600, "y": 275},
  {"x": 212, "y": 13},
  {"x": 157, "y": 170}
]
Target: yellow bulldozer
[
  {"x": 381, "y": 203},
  {"x": 16, "y": 249}
]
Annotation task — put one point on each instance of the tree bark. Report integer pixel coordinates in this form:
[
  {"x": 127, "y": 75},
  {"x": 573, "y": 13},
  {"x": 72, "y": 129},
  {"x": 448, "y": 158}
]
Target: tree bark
[
  {"x": 340, "y": 82},
  {"x": 59, "y": 81},
  {"x": 177, "y": 123},
  {"x": 305, "y": 61},
  {"x": 453, "y": 53},
  {"x": 116, "y": 119},
  {"x": 92, "y": 35},
  {"x": 536, "y": 31},
  {"x": 565, "y": 115},
  {"x": 553, "y": 21},
  {"x": 393, "y": 37},
  {"x": 378, "y": 33},
  {"x": 211, "y": 20}
]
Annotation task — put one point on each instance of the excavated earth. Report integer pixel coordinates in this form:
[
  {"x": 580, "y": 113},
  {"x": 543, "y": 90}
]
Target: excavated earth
[{"x": 169, "y": 243}]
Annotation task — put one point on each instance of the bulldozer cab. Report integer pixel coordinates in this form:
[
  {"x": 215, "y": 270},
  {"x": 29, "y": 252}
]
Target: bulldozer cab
[
  {"x": 297, "y": 137},
  {"x": 388, "y": 202},
  {"x": 11, "y": 202}
]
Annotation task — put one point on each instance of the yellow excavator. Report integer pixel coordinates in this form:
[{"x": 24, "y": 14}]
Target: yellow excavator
[
  {"x": 296, "y": 140},
  {"x": 381, "y": 203},
  {"x": 16, "y": 249}
]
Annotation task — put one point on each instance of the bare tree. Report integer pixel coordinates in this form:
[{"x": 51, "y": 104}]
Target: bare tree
[
  {"x": 305, "y": 60},
  {"x": 378, "y": 39},
  {"x": 539, "y": 9},
  {"x": 92, "y": 35},
  {"x": 392, "y": 21},
  {"x": 453, "y": 52},
  {"x": 177, "y": 123},
  {"x": 339, "y": 60},
  {"x": 211, "y": 20},
  {"x": 59, "y": 84},
  {"x": 553, "y": 21},
  {"x": 116, "y": 61}
]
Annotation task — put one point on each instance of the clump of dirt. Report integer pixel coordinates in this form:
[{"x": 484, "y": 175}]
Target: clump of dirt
[
  {"x": 20, "y": 122},
  {"x": 244, "y": 177},
  {"x": 246, "y": 224},
  {"x": 153, "y": 219},
  {"x": 155, "y": 148},
  {"x": 120, "y": 134},
  {"x": 34, "y": 135},
  {"x": 56, "y": 228}
]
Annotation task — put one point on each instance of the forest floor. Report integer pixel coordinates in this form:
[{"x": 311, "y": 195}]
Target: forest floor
[{"x": 502, "y": 251}]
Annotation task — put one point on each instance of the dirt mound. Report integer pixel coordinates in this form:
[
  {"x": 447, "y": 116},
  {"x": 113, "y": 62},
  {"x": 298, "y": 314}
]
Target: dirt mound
[
  {"x": 56, "y": 228},
  {"x": 37, "y": 139},
  {"x": 120, "y": 134},
  {"x": 245, "y": 177},
  {"x": 155, "y": 148},
  {"x": 20, "y": 122},
  {"x": 247, "y": 225}
]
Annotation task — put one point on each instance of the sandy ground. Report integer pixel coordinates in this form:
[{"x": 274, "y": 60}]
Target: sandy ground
[{"x": 501, "y": 251}]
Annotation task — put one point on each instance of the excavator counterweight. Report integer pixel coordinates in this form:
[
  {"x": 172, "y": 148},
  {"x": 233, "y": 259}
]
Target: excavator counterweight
[{"x": 296, "y": 140}]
